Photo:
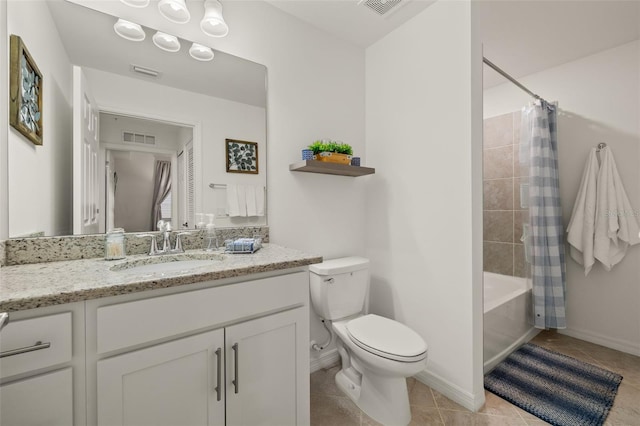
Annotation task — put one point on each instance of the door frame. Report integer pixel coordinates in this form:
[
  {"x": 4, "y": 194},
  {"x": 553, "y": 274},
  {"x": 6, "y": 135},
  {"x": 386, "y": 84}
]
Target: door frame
[{"x": 196, "y": 127}]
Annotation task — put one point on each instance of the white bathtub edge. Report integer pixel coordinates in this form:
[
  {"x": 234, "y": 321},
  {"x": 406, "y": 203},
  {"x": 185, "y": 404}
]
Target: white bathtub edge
[{"x": 489, "y": 365}]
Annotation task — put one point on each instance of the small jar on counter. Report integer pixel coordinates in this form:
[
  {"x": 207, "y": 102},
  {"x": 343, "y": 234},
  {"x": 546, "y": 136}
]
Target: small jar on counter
[{"x": 114, "y": 245}]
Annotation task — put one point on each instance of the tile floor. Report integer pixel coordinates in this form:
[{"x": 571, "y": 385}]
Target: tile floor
[{"x": 329, "y": 407}]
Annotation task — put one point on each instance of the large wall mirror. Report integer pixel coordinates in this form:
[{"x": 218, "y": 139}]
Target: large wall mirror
[{"x": 124, "y": 121}]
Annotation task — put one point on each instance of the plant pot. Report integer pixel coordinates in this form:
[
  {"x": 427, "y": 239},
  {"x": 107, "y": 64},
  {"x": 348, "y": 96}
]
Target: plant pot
[{"x": 334, "y": 157}]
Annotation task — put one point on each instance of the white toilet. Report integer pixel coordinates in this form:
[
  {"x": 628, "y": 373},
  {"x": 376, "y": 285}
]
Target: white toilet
[{"x": 377, "y": 353}]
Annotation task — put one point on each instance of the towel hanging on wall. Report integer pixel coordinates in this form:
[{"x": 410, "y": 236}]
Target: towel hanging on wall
[
  {"x": 616, "y": 227},
  {"x": 245, "y": 200},
  {"x": 581, "y": 227}
]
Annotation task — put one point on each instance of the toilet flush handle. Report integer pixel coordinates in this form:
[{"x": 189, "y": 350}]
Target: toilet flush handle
[{"x": 329, "y": 280}]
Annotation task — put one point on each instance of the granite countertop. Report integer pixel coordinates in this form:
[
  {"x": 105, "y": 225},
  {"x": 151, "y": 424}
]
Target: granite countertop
[{"x": 44, "y": 284}]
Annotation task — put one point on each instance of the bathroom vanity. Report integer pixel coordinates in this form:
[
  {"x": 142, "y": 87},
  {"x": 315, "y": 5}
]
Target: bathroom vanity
[{"x": 224, "y": 343}]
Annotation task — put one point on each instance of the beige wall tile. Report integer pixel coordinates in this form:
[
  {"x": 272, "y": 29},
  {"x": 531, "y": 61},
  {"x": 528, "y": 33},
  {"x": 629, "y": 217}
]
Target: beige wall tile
[
  {"x": 518, "y": 170},
  {"x": 517, "y": 118},
  {"x": 498, "y": 258},
  {"x": 498, "y": 131},
  {"x": 520, "y": 217},
  {"x": 498, "y": 226},
  {"x": 498, "y": 162},
  {"x": 498, "y": 194},
  {"x": 519, "y": 263}
]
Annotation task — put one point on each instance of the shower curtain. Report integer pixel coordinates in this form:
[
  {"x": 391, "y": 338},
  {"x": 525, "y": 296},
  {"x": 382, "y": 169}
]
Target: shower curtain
[
  {"x": 162, "y": 186},
  {"x": 539, "y": 152}
]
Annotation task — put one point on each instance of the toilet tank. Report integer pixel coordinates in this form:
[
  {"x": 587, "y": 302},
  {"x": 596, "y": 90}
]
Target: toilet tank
[{"x": 339, "y": 287}]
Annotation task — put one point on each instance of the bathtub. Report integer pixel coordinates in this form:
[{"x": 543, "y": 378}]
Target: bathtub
[{"x": 507, "y": 316}]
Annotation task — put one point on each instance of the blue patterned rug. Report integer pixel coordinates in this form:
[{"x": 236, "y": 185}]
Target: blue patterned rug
[{"x": 558, "y": 389}]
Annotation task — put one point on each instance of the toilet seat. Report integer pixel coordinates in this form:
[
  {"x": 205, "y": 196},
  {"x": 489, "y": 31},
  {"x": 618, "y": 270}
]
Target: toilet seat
[{"x": 386, "y": 338}]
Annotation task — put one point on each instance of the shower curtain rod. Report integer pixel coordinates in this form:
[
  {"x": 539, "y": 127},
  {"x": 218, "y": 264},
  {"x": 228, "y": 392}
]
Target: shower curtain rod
[{"x": 508, "y": 77}]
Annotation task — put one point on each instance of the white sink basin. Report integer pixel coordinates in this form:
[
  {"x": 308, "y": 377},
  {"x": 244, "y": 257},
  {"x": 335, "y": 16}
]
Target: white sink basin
[{"x": 168, "y": 264}]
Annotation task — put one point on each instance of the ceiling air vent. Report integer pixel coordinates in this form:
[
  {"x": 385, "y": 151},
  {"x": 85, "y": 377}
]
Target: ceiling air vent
[
  {"x": 381, "y": 7},
  {"x": 132, "y": 137}
]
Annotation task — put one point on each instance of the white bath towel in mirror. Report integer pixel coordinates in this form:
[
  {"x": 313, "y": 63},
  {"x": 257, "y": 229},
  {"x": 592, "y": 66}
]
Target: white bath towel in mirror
[
  {"x": 250, "y": 195},
  {"x": 233, "y": 206},
  {"x": 260, "y": 200}
]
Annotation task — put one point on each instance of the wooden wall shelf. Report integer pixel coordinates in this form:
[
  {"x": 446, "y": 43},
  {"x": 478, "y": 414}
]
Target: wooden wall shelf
[{"x": 313, "y": 166}]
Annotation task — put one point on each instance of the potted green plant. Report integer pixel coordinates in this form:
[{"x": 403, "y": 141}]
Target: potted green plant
[{"x": 332, "y": 151}]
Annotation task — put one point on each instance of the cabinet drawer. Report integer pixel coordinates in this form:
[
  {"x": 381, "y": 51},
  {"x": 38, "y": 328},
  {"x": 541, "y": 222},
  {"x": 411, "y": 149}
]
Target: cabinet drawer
[
  {"x": 46, "y": 399},
  {"x": 46, "y": 342},
  {"x": 141, "y": 321}
]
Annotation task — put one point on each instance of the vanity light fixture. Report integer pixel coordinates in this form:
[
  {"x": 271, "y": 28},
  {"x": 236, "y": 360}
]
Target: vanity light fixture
[
  {"x": 136, "y": 3},
  {"x": 200, "y": 52},
  {"x": 213, "y": 23},
  {"x": 174, "y": 10},
  {"x": 129, "y": 30},
  {"x": 166, "y": 42}
]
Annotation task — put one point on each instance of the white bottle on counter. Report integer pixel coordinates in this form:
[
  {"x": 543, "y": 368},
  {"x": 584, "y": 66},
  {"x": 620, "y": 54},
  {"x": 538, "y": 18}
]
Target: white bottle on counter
[{"x": 210, "y": 238}]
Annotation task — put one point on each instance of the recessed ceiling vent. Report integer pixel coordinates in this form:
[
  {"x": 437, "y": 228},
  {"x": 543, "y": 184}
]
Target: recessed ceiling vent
[
  {"x": 147, "y": 72},
  {"x": 381, "y": 7},
  {"x": 133, "y": 137}
]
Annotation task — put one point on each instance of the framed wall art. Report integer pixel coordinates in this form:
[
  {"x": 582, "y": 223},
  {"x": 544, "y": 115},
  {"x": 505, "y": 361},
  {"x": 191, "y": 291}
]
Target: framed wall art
[
  {"x": 25, "y": 92},
  {"x": 242, "y": 156}
]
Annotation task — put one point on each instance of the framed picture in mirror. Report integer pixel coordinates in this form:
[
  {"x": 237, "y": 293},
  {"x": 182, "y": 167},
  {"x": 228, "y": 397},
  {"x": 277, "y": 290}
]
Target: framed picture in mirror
[
  {"x": 242, "y": 156},
  {"x": 25, "y": 92}
]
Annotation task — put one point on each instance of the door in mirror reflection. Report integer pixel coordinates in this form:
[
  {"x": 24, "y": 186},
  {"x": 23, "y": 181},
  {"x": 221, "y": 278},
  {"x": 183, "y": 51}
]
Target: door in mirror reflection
[
  {"x": 146, "y": 164},
  {"x": 85, "y": 157}
]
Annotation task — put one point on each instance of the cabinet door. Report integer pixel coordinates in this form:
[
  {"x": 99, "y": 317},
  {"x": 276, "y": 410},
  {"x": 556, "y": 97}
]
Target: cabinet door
[
  {"x": 169, "y": 384},
  {"x": 266, "y": 383},
  {"x": 46, "y": 399}
]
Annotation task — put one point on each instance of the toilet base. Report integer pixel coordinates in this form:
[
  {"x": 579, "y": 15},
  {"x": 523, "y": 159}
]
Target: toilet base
[{"x": 384, "y": 399}]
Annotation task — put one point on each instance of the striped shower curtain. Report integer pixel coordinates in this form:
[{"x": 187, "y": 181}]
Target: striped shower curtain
[{"x": 546, "y": 245}]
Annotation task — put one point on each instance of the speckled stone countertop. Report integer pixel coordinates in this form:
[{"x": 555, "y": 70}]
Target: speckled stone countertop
[{"x": 44, "y": 284}]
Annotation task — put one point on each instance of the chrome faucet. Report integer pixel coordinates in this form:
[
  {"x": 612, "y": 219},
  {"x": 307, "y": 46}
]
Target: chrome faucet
[{"x": 165, "y": 228}]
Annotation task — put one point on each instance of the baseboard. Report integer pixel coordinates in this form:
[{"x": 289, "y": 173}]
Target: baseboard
[
  {"x": 621, "y": 345},
  {"x": 324, "y": 360},
  {"x": 451, "y": 391}
]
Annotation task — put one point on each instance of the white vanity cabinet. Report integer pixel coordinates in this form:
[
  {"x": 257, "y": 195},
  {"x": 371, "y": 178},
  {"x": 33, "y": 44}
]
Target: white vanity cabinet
[
  {"x": 174, "y": 383},
  {"x": 232, "y": 354},
  {"x": 42, "y": 367}
]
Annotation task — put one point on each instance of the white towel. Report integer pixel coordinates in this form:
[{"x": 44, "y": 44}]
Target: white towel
[
  {"x": 250, "y": 194},
  {"x": 616, "y": 227},
  {"x": 233, "y": 207},
  {"x": 260, "y": 200},
  {"x": 242, "y": 200},
  {"x": 582, "y": 224}
]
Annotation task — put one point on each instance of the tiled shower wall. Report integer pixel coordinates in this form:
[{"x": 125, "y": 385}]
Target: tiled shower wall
[{"x": 503, "y": 214}]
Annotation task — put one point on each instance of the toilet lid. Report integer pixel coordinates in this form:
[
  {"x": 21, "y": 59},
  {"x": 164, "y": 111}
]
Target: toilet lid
[{"x": 387, "y": 338}]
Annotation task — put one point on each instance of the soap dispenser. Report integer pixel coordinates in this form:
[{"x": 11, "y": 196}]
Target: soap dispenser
[{"x": 210, "y": 239}]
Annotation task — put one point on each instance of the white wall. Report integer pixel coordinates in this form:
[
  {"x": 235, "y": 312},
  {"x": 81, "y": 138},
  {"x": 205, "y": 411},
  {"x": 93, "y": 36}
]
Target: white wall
[
  {"x": 599, "y": 101},
  {"x": 216, "y": 119},
  {"x": 4, "y": 111},
  {"x": 40, "y": 185},
  {"x": 423, "y": 126}
]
